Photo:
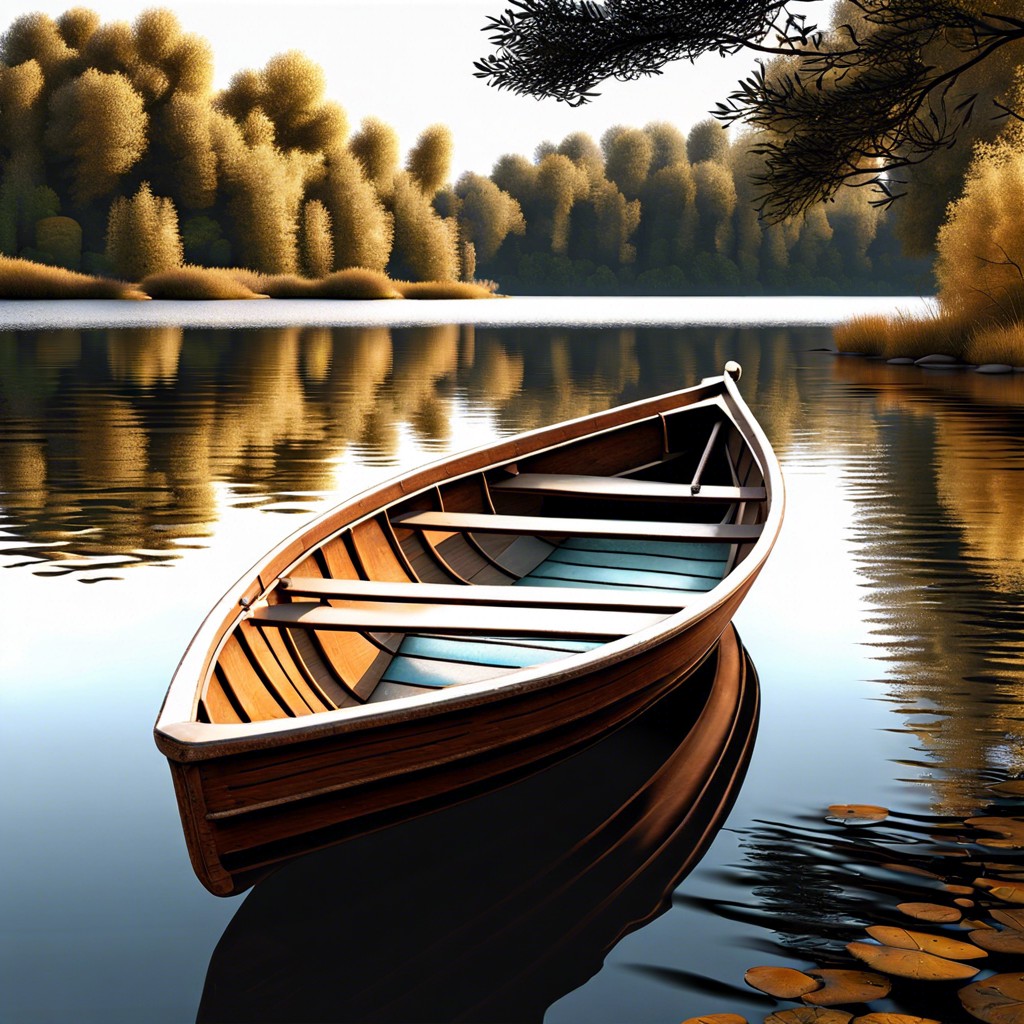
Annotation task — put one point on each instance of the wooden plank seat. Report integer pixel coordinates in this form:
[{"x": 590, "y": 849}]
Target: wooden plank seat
[
  {"x": 485, "y": 522},
  {"x": 619, "y": 487},
  {"x": 498, "y": 620},
  {"x": 457, "y": 593}
]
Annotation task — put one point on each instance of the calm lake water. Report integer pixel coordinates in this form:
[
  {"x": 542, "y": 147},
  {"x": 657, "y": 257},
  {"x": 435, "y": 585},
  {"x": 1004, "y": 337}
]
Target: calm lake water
[{"x": 144, "y": 468}]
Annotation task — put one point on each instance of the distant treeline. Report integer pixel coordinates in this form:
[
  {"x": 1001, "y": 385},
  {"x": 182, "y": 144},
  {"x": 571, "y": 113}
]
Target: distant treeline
[{"x": 117, "y": 157}]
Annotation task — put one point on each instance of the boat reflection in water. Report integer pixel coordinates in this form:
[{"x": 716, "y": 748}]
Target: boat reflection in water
[{"x": 493, "y": 909}]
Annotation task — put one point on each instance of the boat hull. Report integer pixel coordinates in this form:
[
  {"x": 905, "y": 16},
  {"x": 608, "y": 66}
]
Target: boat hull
[
  {"x": 246, "y": 812},
  {"x": 506, "y": 903}
]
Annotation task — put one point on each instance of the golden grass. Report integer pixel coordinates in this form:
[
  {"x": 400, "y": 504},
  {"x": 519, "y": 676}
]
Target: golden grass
[
  {"x": 997, "y": 344},
  {"x": 446, "y": 289},
  {"x": 353, "y": 283},
  {"x": 196, "y": 283},
  {"x": 23, "y": 279},
  {"x": 904, "y": 335}
]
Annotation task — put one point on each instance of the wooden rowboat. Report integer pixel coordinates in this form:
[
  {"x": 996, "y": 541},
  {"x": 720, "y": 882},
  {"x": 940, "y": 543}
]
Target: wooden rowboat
[
  {"x": 464, "y": 623},
  {"x": 494, "y": 909}
]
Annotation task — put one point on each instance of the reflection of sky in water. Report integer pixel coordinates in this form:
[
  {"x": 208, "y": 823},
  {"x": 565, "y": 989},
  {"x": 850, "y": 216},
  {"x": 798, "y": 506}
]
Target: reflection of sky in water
[{"x": 891, "y": 591}]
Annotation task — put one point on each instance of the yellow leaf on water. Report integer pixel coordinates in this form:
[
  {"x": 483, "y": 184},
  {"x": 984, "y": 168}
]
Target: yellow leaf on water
[
  {"x": 910, "y": 963},
  {"x": 781, "y": 982},
  {"x": 892, "y": 1018},
  {"x": 938, "y": 945},
  {"x": 1012, "y": 787},
  {"x": 847, "y": 987},
  {"x": 964, "y": 902},
  {"x": 1008, "y": 893},
  {"x": 717, "y": 1018},
  {"x": 930, "y": 912},
  {"x": 960, "y": 890},
  {"x": 856, "y": 814},
  {"x": 1011, "y": 918},
  {"x": 996, "y": 1000},
  {"x": 1007, "y": 941},
  {"x": 809, "y": 1015}
]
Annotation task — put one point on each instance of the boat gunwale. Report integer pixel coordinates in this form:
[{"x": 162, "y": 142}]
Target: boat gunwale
[{"x": 186, "y": 740}]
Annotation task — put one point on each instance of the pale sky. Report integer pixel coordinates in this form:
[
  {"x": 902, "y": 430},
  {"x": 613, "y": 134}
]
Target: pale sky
[{"x": 410, "y": 63}]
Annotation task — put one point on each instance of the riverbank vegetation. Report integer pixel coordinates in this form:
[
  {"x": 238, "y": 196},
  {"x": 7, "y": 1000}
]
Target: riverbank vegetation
[{"x": 119, "y": 159}]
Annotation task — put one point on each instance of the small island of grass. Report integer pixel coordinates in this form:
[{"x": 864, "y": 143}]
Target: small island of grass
[{"x": 25, "y": 279}]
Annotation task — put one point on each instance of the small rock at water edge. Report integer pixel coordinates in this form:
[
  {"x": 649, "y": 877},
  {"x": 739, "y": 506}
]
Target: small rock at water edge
[{"x": 994, "y": 368}]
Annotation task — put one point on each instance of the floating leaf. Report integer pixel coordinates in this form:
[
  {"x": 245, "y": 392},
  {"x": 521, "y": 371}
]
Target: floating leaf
[
  {"x": 909, "y": 963},
  {"x": 856, "y": 814},
  {"x": 1008, "y": 893},
  {"x": 963, "y": 902},
  {"x": 959, "y": 890},
  {"x": 938, "y": 945},
  {"x": 1009, "y": 827},
  {"x": 996, "y": 1000},
  {"x": 892, "y": 1018},
  {"x": 930, "y": 912},
  {"x": 1011, "y": 918},
  {"x": 910, "y": 869},
  {"x": 781, "y": 982},
  {"x": 1008, "y": 941},
  {"x": 971, "y": 925},
  {"x": 1012, "y": 787},
  {"x": 717, "y": 1018},
  {"x": 809, "y": 1015},
  {"x": 847, "y": 987}
]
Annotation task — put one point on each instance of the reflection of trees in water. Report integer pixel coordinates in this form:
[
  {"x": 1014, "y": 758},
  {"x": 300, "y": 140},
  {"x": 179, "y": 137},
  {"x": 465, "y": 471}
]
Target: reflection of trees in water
[{"x": 941, "y": 549}]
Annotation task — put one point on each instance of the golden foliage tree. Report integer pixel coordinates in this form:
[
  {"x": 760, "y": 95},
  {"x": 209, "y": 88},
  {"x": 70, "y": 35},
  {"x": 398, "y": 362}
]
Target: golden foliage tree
[
  {"x": 426, "y": 246},
  {"x": 669, "y": 145},
  {"x": 316, "y": 242},
  {"x": 429, "y": 161},
  {"x": 617, "y": 220},
  {"x": 715, "y": 201},
  {"x": 560, "y": 184},
  {"x": 143, "y": 236},
  {"x": 628, "y": 153},
  {"x": 375, "y": 146},
  {"x": 487, "y": 214},
  {"x": 981, "y": 245},
  {"x": 707, "y": 140},
  {"x": 99, "y": 122},
  {"x": 362, "y": 228},
  {"x": 584, "y": 152}
]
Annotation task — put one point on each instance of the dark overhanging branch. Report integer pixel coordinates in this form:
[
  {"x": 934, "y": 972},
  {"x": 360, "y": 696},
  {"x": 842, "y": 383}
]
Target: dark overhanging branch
[{"x": 851, "y": 106}]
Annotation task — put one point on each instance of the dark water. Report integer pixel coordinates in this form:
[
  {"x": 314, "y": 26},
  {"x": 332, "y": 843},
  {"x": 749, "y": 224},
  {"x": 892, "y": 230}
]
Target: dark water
[{"x": 143, "y": 470}]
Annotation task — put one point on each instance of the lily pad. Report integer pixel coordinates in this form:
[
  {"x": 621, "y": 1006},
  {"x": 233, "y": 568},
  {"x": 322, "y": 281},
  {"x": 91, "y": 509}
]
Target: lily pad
[
  {"x": 996, "y": 1000},
  {"x": 1011, "y": 787},
  {"x": 1007, "y": 941},
  {"x": 933, "y": 912},
  {"x": 959, "y": 890},
  {"x": 962, "y": 901},
  {"x": 840, "y": 987},
  {"x": 1008, "y": 893},
  {"x": 809, "y": 1015},
  {"x": 781, "y": 982},
  {"x": 892, "y": 1018},
  {"x": 910, "y": 963},
  {"x": 937, "y": 945},
  {"x": 717, "y": 1018},
  {"x": 1010, "y": 918},
  {"x": 856, "y": 814}
]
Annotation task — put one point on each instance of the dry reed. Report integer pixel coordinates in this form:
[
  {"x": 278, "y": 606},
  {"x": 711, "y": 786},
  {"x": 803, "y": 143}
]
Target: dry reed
[
  {"x": 196, "y": 283},
  {"x": 23, "y": 279}
]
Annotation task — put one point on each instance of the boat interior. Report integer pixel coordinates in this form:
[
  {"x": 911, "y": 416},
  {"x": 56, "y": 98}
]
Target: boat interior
[{"x": 525, "y": 563}]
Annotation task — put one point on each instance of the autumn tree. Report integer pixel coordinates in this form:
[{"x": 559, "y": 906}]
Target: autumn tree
[
  {"x": 429, "y": 161},
  {"x": 143, "y": 236},
  {"x": 362, "y": 229},
  {"x": 425, "y": 246},
  {"x": 628, "y": 154},
  {"x": 316, "y": 243},
  {"x": 98, "y": 122},
  {"x": 376, "y": 148}
]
